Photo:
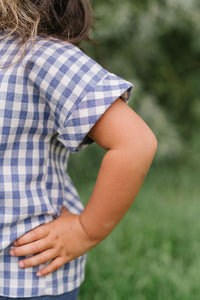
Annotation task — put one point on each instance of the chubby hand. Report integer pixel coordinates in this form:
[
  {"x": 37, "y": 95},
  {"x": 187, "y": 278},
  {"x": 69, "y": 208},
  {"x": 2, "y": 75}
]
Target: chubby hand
[{"x": 59, "y": 241}]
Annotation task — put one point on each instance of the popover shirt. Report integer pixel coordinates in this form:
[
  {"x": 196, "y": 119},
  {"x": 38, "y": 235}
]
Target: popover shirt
[{"x": 51, "y": 95}]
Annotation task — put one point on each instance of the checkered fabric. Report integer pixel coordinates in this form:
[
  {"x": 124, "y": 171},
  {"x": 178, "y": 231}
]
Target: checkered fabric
[{"x": 49, "y": 101}]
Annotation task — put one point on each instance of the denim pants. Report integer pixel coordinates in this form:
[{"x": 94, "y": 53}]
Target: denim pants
[{"x": 73, "y": 295}]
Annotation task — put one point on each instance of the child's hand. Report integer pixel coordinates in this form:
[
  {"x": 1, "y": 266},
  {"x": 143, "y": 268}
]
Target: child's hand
[{"x": 61, "y": 241}]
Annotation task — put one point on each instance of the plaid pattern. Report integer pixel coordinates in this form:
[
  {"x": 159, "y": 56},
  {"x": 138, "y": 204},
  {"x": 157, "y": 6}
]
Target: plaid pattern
[{"x": 49, "y": 101}]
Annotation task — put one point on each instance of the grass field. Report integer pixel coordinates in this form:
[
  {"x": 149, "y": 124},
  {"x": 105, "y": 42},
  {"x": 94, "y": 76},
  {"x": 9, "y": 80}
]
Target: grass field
[{"x": 154, "y": 253}]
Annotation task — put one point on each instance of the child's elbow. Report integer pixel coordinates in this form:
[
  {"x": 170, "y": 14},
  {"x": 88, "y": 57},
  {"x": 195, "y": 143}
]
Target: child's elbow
[
  {"x": 149, "y": 146},
  {"x": 143, "y": 152},
  {"x": 152, "y": 142},
  {"x": 145, "y": 144}
]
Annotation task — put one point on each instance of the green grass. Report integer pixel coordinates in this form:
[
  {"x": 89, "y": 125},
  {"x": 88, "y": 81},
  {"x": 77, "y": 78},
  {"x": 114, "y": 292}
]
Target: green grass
[{"x": 154, "y": 253}]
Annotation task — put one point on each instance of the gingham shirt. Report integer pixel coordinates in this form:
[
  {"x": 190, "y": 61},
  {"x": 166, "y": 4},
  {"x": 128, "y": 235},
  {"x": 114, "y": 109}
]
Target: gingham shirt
[{"x": 49, "y": 101}]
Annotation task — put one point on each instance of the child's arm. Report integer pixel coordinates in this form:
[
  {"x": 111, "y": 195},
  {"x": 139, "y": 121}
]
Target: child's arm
[{"x": 131, "y": 147}]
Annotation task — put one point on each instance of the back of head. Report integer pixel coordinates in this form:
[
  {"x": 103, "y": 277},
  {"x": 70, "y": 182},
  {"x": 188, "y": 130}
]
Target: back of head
[{"x": 68, "y": 20}]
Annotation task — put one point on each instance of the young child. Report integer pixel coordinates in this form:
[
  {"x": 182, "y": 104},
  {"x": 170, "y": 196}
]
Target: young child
[{"x": 55, "y": 99}]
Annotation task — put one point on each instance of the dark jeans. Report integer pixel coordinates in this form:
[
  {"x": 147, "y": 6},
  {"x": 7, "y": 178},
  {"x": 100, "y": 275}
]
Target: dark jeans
[{"x": 67, "y": 296}]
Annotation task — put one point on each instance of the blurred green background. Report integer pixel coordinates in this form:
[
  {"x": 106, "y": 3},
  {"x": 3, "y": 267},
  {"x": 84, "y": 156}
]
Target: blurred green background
[{"x": 154, "y": 253}]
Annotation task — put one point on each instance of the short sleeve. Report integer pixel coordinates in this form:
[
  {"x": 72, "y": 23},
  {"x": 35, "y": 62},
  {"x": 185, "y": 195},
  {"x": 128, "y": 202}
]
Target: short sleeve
[
  {"x": 91, "y": 108},
  {"x": 76, "y": 89}
]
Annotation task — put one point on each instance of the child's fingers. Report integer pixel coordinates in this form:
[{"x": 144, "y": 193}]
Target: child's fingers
[
  {"x": 33, "y": 235},
  {"x": 31, "y": 248},
  {"x": 38, "y": 259},
  {"x": 53, "y": 266}
]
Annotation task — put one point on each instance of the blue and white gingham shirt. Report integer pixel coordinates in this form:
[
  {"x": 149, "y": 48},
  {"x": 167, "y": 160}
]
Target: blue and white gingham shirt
[{"x": 49, "y": 101}]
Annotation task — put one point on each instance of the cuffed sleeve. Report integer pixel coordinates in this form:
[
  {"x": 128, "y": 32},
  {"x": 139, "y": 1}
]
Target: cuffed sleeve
[{"x": 91, "y": 108}]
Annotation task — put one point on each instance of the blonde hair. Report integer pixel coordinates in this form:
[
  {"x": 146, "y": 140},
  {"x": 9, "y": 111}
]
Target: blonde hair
[
  {"x": 19, "y": 17},
  {"x": 65, "y": 19}
]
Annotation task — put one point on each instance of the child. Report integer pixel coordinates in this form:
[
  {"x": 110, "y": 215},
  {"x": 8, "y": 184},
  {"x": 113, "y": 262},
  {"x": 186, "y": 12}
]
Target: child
[{"x": 55, "y": 99}]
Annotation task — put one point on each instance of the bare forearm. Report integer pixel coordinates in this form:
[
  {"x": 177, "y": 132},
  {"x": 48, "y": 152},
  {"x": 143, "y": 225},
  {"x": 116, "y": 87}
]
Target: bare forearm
[{"x": 119, "y": 180}]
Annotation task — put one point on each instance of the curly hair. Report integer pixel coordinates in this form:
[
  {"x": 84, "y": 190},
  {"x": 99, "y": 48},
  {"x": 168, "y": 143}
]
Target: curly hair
[{"x": 68, "y": 20}]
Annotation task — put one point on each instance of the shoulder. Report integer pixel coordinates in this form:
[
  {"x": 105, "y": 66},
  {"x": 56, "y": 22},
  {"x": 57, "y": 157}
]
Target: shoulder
[
  {"x": 51, "y": 46},
  {"x": 54, "y": 58},
  {"x": 57, "y": 51}
]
